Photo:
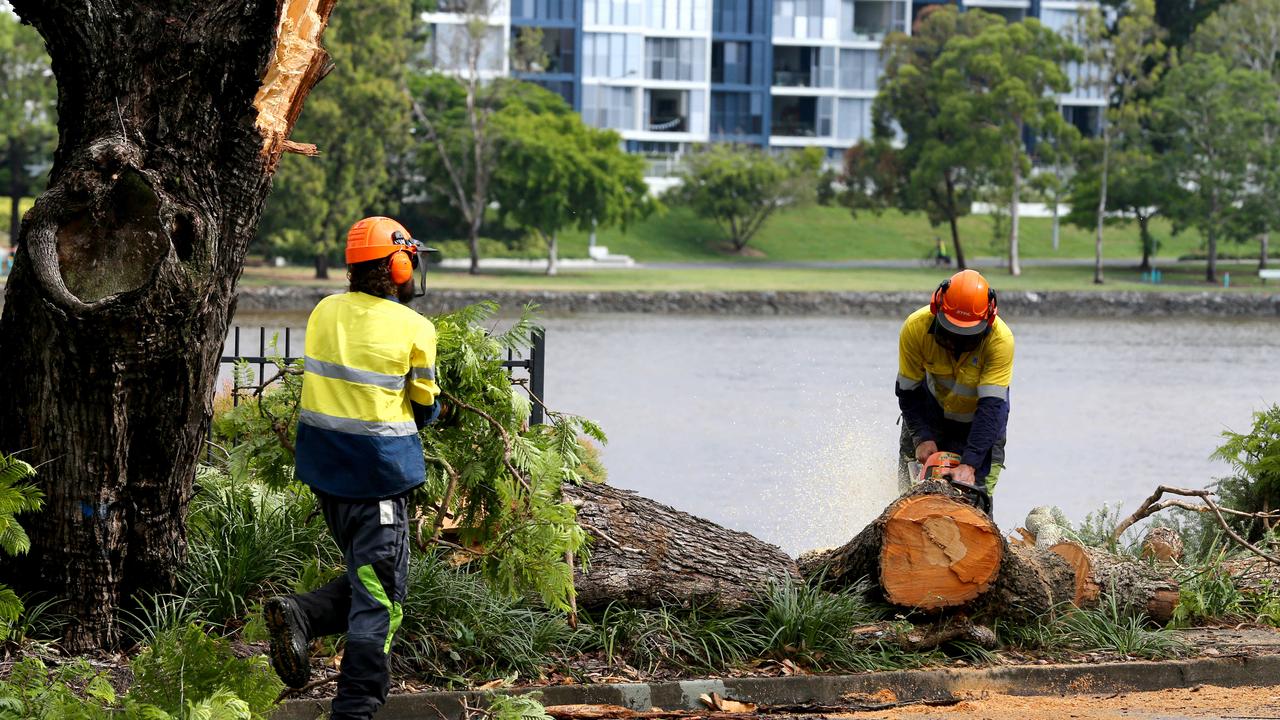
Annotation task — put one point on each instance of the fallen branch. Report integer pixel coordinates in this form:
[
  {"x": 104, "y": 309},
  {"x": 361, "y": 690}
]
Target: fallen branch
[
  {"x": 290, "y": 692},
  {"x": 502, "y": 431},
  {"x": 1152, "y": 505}
]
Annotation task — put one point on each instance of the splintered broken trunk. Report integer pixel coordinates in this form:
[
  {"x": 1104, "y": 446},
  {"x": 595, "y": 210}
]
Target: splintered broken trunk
[
  {"x": 644, "y": 553},
  {"x": 929, "y": 550},
  {"x": 171, "y": 120}
]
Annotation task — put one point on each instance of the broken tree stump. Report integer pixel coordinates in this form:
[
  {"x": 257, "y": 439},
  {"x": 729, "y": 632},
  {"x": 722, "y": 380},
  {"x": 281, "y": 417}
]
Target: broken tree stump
[
  {"x": 1136, "y": 585},
  {"x": 928, "y": 550},
  {"x": 644, "y": 553}
]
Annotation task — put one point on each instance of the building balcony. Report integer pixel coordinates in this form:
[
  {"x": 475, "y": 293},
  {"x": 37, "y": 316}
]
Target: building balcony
[{"x": 666, "y": 111}]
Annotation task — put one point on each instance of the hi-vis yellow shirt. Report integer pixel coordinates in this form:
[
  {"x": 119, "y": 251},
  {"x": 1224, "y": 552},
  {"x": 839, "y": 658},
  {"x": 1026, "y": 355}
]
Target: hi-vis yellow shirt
[
  {"x": 366, "y": 358},
  {"x": 955, "y": 382}
]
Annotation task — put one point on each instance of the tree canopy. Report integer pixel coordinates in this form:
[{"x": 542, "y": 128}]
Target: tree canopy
[
  {"x": 359, "y": 121},
  {"x": 28, "y": 116},
  {"x": 740, "y": 187}
]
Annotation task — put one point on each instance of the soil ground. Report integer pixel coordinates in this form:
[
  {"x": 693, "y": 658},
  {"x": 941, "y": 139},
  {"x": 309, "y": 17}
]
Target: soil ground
[{"x": 1204, "y": 701}]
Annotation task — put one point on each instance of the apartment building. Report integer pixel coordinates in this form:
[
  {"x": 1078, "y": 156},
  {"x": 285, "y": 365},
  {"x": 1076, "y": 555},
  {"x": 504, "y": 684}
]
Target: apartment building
[{"x": 667, "y": 74}]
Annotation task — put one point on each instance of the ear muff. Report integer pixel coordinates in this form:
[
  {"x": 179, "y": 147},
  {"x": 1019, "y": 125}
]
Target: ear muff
[
  {"x": 992, "y": 305},
  {"x": 935, "y": 303},
  {"x": 401, "y": 267}
]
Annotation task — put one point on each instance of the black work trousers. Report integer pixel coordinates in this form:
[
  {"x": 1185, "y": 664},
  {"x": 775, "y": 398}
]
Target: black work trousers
[{"x": 365, "y": 602}]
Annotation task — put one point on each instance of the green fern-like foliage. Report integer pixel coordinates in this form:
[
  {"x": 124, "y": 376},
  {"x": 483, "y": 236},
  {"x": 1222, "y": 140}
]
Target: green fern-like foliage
[
  {"x": 17, "y": 495},
  {"x": 189, "y": 673},
  {"x": 496, "y": 476}
]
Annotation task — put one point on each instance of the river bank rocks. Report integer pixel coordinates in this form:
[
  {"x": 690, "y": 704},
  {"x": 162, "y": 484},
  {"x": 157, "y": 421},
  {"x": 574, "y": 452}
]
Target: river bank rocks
[{"x": 862, "y": 304}]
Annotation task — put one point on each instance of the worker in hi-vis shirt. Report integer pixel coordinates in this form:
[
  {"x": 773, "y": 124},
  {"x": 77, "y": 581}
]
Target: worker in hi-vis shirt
[
  {"x": 955, "y": 363},
  {"x": 368, "y": 387}
]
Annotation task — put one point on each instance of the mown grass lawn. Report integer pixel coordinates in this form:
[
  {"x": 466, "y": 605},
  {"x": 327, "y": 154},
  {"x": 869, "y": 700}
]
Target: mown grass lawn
[
  {"x": 1186, "y": 278},
  {"x": 832, "y": 234}
]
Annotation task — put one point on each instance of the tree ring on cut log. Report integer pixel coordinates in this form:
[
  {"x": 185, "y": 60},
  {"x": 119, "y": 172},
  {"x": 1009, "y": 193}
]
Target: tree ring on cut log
[
  {"x": 937, "y": 553},
  {"x": 1087, "y": 591}
]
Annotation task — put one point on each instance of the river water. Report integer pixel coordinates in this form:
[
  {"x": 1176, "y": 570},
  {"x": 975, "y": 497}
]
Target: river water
[{"x": 786, "y": 427}]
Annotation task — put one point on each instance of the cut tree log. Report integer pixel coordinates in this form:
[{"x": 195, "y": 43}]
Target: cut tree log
[
  {"x": 931, "y": 551},
  {"x": 644, "y": 553},
  {"x": 1136, "y": 585},
  {"x": 928, "y": 550}
]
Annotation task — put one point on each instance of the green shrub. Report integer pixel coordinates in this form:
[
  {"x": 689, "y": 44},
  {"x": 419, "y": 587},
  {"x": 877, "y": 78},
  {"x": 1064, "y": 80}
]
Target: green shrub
[
  {"x": 246, "y": 541},
  {"x": 671, "y": 637},
  {"x": 1254, "y": 458},
  {"x": 187, "y": 667},
  {"x": 804, "y": 623},
  {"x": 457, "y": 628},
  {"x": 1104, "y": 628}
]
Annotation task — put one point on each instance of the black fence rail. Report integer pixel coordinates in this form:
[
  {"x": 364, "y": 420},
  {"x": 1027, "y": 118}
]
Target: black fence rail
[{"x": 532, "y": 378}]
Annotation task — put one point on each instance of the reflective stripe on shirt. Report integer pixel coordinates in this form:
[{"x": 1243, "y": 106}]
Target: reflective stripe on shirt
[
  {"x": 905, "y": 383},
  {"x": 422, "y": 373},
  {"x": 357, "y": 427},
  {"x": 355, "y": 375},
  {"x": 994, "y": 391}
]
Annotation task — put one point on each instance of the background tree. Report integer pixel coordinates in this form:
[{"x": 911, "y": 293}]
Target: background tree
[
  {"x": 1129, "y": 59},
  {"x": 740, "y": 187},
  {"x": 1211, "y": 119},
  {"x": 1137, "y": 190},
  {"x": 28, "y": 117},
  {"x": 556, "y": 172},
  {"x": 458, "y": 154},
  {"x": 1003, "y": 81},
  {"x": 360, "y": 119},
  {"x": 943, "y": 160},
  {"x": 1246, "y": 33},
  {"x": 170, "y": 128}
]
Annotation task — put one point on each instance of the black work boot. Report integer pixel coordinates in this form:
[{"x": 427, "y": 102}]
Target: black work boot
[{"x": 289, "y": 643}]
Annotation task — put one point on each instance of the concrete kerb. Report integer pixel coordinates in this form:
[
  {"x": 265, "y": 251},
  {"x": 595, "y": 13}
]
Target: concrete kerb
[{"x": 907, "y": 685}]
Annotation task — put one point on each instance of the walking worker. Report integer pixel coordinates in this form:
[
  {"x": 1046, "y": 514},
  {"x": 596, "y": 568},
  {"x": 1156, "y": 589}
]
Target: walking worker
[
  {"x": 955, "y": 363},
  {"x": 368, "y": 387}
]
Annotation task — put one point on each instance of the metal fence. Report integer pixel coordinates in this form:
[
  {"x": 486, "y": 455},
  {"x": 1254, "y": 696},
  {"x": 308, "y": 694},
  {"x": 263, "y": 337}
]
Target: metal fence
[{"x": 532, "y": 379}]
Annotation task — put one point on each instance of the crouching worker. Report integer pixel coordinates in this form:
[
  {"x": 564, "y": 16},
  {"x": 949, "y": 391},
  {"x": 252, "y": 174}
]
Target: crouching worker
[
  {"x": 368, "y": 387},
  {"x": 955, "y": 363}
]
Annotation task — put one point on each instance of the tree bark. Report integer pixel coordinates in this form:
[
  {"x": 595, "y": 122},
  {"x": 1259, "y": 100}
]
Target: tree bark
[
  {"x": 17, "y": 189},
  {"x": 553, "y": 260},
  {"x": 322, "y": 265},
  {"x": 171, "y": 124},
  {"x": 1148, "y": 244},
  {"x": 1102, "y": 200},
  {"x": 644, "y": 553},
  {"x": 952, "y": 217},
  {"x": 1135, "y": 585},
  {"x": 1211, "y": 245},
  {"x": 1265, "y": 242},
  {"x": 1015, "y": 265}
]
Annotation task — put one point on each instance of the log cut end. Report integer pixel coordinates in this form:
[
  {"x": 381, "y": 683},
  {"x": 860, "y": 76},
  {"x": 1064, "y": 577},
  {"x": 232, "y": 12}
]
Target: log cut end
[
  {"x": 937, "y": 552},
  {"x": 299, "y": 62}
]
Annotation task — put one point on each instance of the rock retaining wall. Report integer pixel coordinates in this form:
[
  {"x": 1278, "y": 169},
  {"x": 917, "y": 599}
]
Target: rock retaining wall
[{"x": 868, "y": 304}]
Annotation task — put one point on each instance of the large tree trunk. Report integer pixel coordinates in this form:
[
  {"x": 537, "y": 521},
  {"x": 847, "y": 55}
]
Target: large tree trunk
[
  {"x": 553, "y": 254},
  {"x": 644, "y": 553},
  {"x": 171, "y": 121},
  {"x": 1265, "y": 243}
]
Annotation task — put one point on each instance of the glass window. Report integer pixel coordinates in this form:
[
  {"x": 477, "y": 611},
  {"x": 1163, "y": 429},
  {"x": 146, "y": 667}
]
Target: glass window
[
  {"x": 854, "y": 120},
  {"x": 859, "y": 69},
  {"x": 825, "y": 111},
  {"x": 675, "y": 59}
]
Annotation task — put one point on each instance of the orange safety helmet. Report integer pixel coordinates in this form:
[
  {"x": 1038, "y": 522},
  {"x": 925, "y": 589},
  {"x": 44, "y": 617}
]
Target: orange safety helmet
[
  {"x": 378, "y": 237},
  {"x": 964, "y": 304}
]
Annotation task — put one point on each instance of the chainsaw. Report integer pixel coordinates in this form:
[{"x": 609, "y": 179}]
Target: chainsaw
[{"x": 938, "y": 467}]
